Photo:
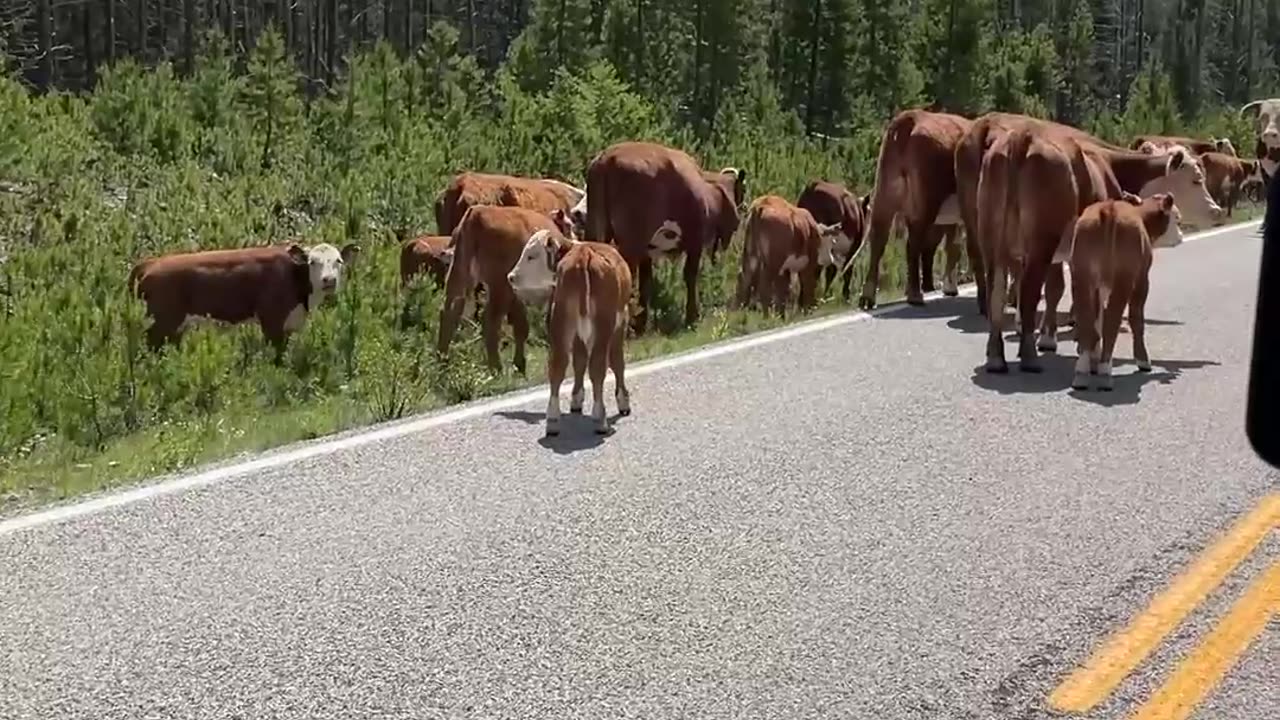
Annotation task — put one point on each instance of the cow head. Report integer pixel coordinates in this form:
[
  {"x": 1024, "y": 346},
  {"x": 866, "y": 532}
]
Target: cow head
[
  {"x": 738, "y": 178},
  {"x": 1267, "y": 120},
  {"x": 325, "y": 265},
  {"x": 1254, "y": 184},
  {"x": 1224, "y": 146},
  {"x": 1184, "y": 176},
  {"x": 533, "y": 277},
  {"x": 828, "y": 237},
  {"x": 578, "y": 217},
  {"x": 566, "y": 225},
  {"x": 1169, "y": 217}
]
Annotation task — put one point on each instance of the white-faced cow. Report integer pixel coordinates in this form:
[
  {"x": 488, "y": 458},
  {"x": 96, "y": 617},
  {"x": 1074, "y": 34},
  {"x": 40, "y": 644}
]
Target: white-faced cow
[
  {"x": 589, "y": 285},
  {"x": 278, "y": 285}
]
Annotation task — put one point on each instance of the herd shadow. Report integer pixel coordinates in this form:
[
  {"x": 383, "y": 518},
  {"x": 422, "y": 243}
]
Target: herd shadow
[
  {"x": 1058, "y": 371},
  {"x": 577, "y": 431}
]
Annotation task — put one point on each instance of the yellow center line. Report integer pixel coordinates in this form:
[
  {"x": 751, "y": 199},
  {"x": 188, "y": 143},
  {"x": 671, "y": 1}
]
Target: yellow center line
[
  {"x": 1204, "y": 668},
  {"x": 1125, "y": 649}
]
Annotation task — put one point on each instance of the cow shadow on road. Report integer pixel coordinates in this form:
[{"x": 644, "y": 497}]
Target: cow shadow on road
[
  {"x": 1059, "y": 370},
  {"x": 577, "y": 432}
]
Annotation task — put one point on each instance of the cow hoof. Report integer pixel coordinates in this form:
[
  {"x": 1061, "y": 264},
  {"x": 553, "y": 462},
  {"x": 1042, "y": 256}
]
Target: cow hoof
[
  {"x": 951, "y": 292},
  {"x": 997, "y": 367},
  {"x": 1144, "y": 366},
  {"x": 553, "y": 430},
  {"x": 1080, "y": 381},
  {"x": 624, "y": 412},
  {"x": 866, "y": 303},
  {"x": 603, "y": 430},
  {"x": 1030, "y": 366},
  {"x": 915, "y": 300},
  {"x": 1104, "y": 383},
  {"x": 1047, "y": 343}
]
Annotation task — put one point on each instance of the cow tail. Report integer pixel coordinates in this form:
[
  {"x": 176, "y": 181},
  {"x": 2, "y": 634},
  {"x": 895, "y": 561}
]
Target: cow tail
[
  {"x": 135, "y": 276},
  {"x": 597, "y": 228}
]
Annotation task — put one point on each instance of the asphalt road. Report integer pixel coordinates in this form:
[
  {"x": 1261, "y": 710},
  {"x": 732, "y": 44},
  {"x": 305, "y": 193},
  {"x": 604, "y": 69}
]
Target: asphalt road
[{"x": 853, "y": 523}]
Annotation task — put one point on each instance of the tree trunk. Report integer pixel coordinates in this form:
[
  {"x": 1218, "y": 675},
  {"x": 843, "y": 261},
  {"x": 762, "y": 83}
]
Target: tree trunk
[
  {"x": 44, "y": 26},
  {"x": 141, "y": 30},
  {"x": 111, "y": 31},
  {"x": 815, "y": 43},
  {"x": 188, "y": 35},
  {"x": 90, "y": 57}
]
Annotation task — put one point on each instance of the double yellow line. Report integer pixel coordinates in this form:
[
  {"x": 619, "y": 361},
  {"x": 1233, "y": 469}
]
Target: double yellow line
[{"x": 1203, "y": 668}]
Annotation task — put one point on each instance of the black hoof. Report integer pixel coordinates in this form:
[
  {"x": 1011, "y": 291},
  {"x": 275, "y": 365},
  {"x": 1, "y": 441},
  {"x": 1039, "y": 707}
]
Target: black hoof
[
  {"x": 866, "y": 303},
  {"x": 1000, "y": 369},
  {"x": 604, "y": 431},
  {"x": 1144, "y": 370},
  {"x": 951, "y": 293},
  {"x": 575, "y": 411},
  {"x": 553, "y": 433},
  {"x": 624, "y": 413},
  {"x": 1034, "y": 368},
  {"x": 918, "y": 302}
]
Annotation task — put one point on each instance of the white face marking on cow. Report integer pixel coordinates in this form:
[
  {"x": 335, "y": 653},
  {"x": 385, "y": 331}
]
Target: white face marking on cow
[
  {"x": 949, "y": 212},
  {"x": 578, "y": 216},
  {"x": 666, "y": 239},
  {"x": 828, "y": 235},
  {"x": 325, "y": 266},
  {"x": 1184, "y": 178},
  {"x": 534, "y": 276},
  {"x": 446, "y": 256},
  {"x": 1172, "y": 236},
  {"x": 1224, "y": 146}
]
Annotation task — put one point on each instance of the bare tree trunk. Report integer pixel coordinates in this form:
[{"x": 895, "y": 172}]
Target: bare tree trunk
[
  {"x": 44, "y": 26},
  {"x": 188, "y": 35},
  {"x": 90, "y": 57},
  {"x": 111, "y": 31},
  {"x": 140, "y": 15},
  {"x": 331, "y": 47},
  {"x": 815, "y": 43}
]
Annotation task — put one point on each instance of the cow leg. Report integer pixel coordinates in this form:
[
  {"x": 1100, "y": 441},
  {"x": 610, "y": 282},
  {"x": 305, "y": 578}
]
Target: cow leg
[
  {"x": 451, "y": 311},
  {"x": 781, "y": 293},
  {"x": 1110, "y": 329},
  {"x": 597, "y": 364},
  {"x": 1138, "y": 323},
  {"x": 1086, "y": 310},
  {"x": 934, "y": 237},
  {"x": 951, "y": 279},
  {"x": 917, "y": 240},
  {"x": 996, "y": 362},
  {"x": 1054, "y": 287},
  {"x": 519, "y": 319},
  {"x": 495, "y": 310},
  {"x": 618, "y": 363},
  {"x": 746, "y": 279},
  {"x": 641, "y": 321},
  {"x": 691, "y": 263},
  {"x": 1030, "y": 285},
  {"x": 978, "y": 265},
  {"x": 578, "y": 396},
  {"x": 808, "y": 288},
  {"x": 828, "y": 275},
  {"x": 557, "y": 363}
]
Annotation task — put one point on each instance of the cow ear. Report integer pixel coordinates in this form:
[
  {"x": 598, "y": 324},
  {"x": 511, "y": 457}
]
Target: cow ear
[
  {"x": 1177, "y": 159},
  {"x": 1130, "y": 198},
  {"x": 1166, "y": 202},
  {"x": 350, "y": 252},
  {"x": 298, "y": 254}
]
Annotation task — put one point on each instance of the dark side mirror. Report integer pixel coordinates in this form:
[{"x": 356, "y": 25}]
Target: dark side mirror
[{"x": 1264, "y": 378}]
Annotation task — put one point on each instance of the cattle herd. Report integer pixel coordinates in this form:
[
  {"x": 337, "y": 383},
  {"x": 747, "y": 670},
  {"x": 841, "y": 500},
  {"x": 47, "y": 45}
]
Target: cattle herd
[{"x": 1030, "y": 194}]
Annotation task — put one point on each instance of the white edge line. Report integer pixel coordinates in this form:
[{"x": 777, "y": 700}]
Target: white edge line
[{"x": 397, "y": 429}]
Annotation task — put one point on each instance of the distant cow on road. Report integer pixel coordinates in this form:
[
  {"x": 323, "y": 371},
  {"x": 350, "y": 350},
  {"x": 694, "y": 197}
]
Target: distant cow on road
[
  {"x": 589, "y": 285},
  {"x": 279, "y": 285},
  {"x": 1111, "y": 255}
]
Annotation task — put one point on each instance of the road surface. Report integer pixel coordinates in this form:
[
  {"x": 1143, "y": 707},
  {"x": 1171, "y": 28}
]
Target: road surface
[{"x": 850, "y": 523}]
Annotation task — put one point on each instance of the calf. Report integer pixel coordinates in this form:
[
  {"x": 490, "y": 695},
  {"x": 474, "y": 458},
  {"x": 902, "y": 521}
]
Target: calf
[
  {"x": 428, "y": 252},
  {"x": 1111, "y": 254},
  {"x": 279, "y": 285},
  {"x": 486, "y": 244},
  {"x": 832, "y": 204},
  {"x": 783, "y": 240},
  {"x": 471, "y": 188},
  {"x": 1153, "y": 144},
  {"x": 1226, "y": 177},
  {"x": 589, "y": 285}
]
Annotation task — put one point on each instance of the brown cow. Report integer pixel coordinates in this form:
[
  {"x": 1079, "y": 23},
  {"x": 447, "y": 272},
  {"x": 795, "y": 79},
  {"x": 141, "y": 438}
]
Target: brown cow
[
  {"x": 279, "y": 285},
  {"x": 486, "y": 244},
  {"x": 783, "y": 240},
  {"x": 589, "y": 285},
  {"x": 915, "y": 176},
  {"x": 832, "y": 204},
  {"x": 1111, "y": 252},
  {"x": 653, "y": 201},
  {"x": 426, "y": 252},
  {"x": 1225, "y": 177},
  {"x": 469, "y": 188},
  {"x": 1034, "y": 182},
  {"x": 1199, "y": 147}
]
